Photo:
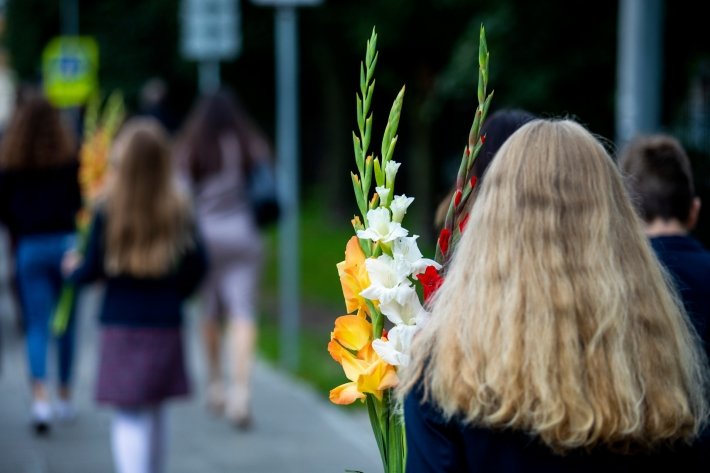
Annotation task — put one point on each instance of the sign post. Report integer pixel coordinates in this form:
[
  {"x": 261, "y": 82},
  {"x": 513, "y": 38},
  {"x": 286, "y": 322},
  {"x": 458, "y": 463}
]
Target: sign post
[
  {"x": 211, "y": 32},
  {"x": 287, "y": 159}
]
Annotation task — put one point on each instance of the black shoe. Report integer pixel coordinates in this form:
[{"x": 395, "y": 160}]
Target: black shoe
[{"x": 41, "y": 428}]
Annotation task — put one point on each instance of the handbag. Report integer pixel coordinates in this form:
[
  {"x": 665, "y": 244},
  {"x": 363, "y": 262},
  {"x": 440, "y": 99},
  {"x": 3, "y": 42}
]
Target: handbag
[{"x": 263, "y": 196}]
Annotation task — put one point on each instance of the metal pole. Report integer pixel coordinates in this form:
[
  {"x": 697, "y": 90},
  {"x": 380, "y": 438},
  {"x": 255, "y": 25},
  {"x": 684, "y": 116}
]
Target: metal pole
[
  {"x": 209, "y": 80},
  {"x": 638, "y": 105},
  {"x": 288, "y": 176},
  {"x": 70, "y": 17},
  {"x": 70, "y": 27}
]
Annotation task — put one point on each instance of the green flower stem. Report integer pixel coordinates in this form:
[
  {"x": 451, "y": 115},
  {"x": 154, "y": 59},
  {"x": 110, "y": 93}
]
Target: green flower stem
[{"x": 473, "y": 148}]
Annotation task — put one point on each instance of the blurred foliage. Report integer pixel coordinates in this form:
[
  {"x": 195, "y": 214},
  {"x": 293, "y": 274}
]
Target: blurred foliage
[{"x": 553, "y": 58}]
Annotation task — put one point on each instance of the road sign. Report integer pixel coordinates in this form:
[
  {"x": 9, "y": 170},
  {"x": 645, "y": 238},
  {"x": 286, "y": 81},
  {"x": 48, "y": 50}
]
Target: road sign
[
  {"x": 211, "y": 29},
  {"x": 70, "y": 66}
]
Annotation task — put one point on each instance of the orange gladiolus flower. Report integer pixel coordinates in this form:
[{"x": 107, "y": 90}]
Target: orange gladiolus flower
[
  {"x": 352, "y": 332},
  {"x": 345, "y": 394},
  {"x": 353, "y": 277},
  {"x": 376, "y": 378},
  {"x": 351, "y": 346}
]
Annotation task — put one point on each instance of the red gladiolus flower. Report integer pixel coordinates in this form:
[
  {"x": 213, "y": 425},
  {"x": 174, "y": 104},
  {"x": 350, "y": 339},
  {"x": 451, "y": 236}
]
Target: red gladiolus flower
[
  {"x": 457, "y": 197},
  {"x": 444, "y": 238},
  {"x": 462, "y": 223},
  {"x": 431, "y": 281}
]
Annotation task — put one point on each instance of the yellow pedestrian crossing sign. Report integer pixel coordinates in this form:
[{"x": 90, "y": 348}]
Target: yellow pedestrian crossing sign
[{"x": 70, "y": 66}]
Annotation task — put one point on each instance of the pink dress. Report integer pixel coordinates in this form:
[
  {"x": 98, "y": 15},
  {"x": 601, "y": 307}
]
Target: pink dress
[{"x": 233, "y": 241}]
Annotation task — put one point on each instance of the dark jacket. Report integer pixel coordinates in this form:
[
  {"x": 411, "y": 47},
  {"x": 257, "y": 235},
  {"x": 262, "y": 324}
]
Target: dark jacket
[
  {"x": 141, "y": 302},
  {"x": 689, "y": 265},
  {"x": 40, "y": 201},
  {"x": 434, "y": 445}
]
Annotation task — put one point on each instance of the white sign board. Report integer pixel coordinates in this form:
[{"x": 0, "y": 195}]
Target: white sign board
[
  {"x": 287, "y": 3},
  {"x": 211, "y": 29}
]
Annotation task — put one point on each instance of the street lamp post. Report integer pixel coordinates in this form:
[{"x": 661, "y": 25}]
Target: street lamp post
[{"x": 287, "y": 159}]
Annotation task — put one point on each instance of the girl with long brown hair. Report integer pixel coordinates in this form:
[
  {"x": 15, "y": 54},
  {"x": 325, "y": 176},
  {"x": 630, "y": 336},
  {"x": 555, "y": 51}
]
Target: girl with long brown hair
[
  {"x": 39, "y": 198},
  {"x": 556, "y": 342},
  {"x": 144, "y": 245}
]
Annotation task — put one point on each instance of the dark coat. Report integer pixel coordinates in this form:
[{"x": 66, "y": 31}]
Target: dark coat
[
  {"x": 141, "y": 302},
  {"x": 437, "y": 446},
  {"x": 689, "y": 265}
]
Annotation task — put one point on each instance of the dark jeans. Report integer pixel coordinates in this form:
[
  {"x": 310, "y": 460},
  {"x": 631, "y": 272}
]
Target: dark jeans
[{"x": 39, "y": 276}]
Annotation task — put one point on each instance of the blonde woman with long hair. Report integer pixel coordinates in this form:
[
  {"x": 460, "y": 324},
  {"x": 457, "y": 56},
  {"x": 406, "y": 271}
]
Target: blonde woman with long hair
[
  {"x": 555, "y": 342},
  {"x": 143, "y": 244}
]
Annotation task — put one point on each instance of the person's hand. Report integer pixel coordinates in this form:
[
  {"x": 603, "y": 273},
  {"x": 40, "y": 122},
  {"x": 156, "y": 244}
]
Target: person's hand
[{"x": 70, "y": 261}]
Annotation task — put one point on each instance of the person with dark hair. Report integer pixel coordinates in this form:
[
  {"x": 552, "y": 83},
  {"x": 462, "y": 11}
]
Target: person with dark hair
[
  {"x": 39, "y": 199},
  {"x": 658, "y": 176},
  {"x": 497, "y": 128},
  {"x": 220, "y": 144}
]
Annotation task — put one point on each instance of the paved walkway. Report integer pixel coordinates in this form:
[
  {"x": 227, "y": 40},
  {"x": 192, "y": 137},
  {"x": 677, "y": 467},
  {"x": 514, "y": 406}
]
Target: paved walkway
[{"x": 296, "y": 430}]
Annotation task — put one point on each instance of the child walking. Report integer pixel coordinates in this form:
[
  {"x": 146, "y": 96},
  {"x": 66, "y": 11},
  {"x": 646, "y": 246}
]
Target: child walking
[{"x": 143, "y": 244}]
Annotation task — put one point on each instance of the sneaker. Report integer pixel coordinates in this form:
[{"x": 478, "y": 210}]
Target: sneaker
[
  {"x": 65, "y": 411},
  {"x": 238, "y": 409},
  {"x": 41, "y": 417},
  {"x": 215, "y": 397}
]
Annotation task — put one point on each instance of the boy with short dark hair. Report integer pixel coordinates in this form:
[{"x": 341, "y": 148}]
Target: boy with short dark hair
[{"x": 659, "y": 179}]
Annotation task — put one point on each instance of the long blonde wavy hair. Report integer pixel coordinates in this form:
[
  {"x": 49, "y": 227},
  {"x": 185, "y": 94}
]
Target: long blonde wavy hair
[
  {"x": 555, "y": 317},
  {"x": 148, "y": 217}
]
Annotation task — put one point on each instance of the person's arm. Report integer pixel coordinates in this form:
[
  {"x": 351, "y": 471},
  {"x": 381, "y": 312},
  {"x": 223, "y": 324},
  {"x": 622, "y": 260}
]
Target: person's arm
[
  {"x": 91, "y": 266},
  {"x": 433, "y": 445}
]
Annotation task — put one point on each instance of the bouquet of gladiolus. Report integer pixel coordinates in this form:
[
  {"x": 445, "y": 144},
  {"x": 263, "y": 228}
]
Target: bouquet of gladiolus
[
  {"x": 100, "y": 126},
  {"x": 383, "y": 265}
]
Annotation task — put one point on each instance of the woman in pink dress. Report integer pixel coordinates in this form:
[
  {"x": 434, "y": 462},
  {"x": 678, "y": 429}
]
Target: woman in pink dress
[{"x": 219, "y": 146}]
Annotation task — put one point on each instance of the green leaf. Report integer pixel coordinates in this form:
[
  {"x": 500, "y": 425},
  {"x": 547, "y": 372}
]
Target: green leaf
[
  {"x": 371, "y": 68},
  {"x": 359, "y": 160},
  {"x": 392, "y": 125},
  {"x": 363, "y": 82},
  {"x": 367, "y": 178},
  {"x": 482, "y": 49},
  {"x": 362, "y": 205},
  {"x": 360, "y": 114},
  {"x": 371, "y": 401},
  {"x": 390, "y": 149},
  {"x": 368, "y": 134},
  {"x": 379, "y": 173},
  {"x": 368, "y": 99}
]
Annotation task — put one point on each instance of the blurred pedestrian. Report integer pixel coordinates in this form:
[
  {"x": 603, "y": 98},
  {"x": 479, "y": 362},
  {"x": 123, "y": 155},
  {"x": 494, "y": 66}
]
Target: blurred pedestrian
[
  {"x": 220, "y": 145},
  {"x": 555, "y": 343},
  {"x": 144, "y": 245},
  {"x": 659, "y": 178},
  {"x": 39, "y": 199},
  {"x": 497, "y": 128}
]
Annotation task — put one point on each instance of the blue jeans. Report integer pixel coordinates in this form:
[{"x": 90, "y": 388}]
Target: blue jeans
[{"x": 39, "y": 276}]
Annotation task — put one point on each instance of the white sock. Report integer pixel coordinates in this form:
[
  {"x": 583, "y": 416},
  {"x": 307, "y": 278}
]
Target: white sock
[{"x": 130, "y": 439}]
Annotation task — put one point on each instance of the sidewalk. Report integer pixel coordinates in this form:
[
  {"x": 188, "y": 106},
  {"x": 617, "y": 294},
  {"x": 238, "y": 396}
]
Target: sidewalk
[{"x": 296, "y": 430}]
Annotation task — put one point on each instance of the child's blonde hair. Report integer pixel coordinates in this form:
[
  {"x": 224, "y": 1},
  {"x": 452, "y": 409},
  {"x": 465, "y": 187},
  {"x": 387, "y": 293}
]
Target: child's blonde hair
[{"x": 555, "y": 317}]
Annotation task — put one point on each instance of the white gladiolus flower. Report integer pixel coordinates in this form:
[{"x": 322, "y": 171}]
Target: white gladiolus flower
[
  {"x": 409, "y": 312},
  {"x": 381, "y": 228},
  {"x": 405, "y": 248},
  {"x": 391, "y": 171},
  {"x": 388, "y": 280},
  {"x": 383, "y": 192},
  {"x": 399, "y": 206},
  {"x": 395, "y": 350}
]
